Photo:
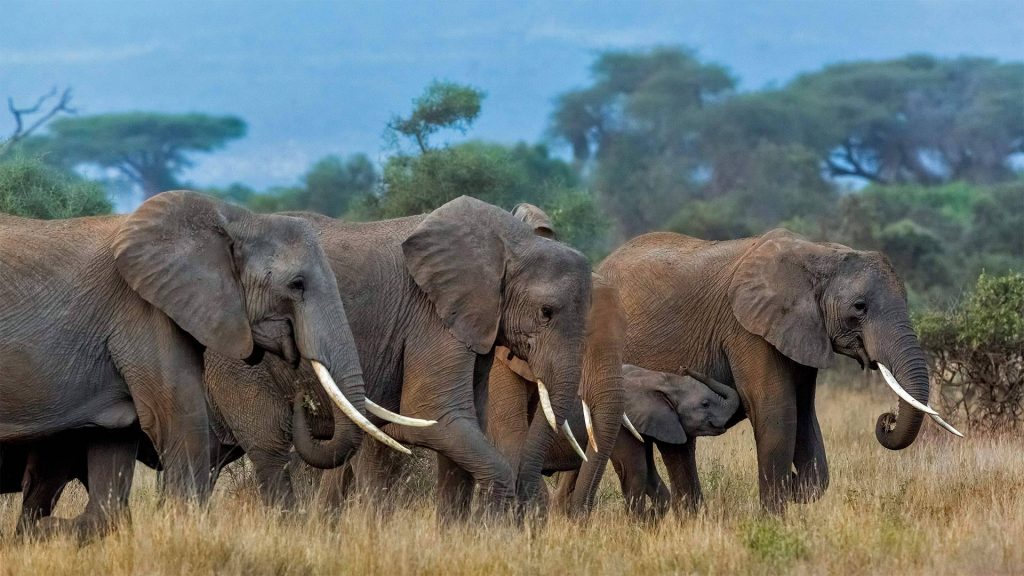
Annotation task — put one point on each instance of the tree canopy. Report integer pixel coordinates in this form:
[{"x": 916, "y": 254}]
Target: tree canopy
[{"x": 149, "y": 149}]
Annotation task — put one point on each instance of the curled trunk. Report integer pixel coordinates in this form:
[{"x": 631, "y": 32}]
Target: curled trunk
[
  {"x": 902, "y": 354},
  {"x": 345, "y": 439}
]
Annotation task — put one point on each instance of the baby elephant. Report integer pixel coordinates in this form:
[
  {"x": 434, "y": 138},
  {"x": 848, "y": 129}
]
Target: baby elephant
[{"x": 666, "y": 409}]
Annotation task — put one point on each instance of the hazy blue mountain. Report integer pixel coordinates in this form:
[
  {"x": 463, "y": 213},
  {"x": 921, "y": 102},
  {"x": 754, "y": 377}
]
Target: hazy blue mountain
[{"x": 316, "y": 78}]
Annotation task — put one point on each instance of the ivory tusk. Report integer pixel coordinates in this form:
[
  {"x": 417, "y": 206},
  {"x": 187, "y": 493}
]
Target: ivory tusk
[
  {"x": 350, "y": 411},
  {"x": 891, "y": 381},
  {"x": 385, "y": 414},
  {"x": 629, "y": 426},
  {"x": 949, "y": 427},
  {"x": 545, "y": 405},
  {"x": 592, "y": 438},
  {"x": 572, "y": 440}
]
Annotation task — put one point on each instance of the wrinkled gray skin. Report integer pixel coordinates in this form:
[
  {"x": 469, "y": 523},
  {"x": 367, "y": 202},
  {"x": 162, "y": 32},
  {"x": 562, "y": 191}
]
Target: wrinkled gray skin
[
  {"x": 668, "y": 410},
  {"x": 428, "y": 298},
  {"x": 763, "y": 314},
  {"x": 105, "y": 320}
]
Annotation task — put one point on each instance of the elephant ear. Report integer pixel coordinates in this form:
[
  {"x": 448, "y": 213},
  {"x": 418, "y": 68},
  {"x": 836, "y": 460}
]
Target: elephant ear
[
  {"x": 648, "y": 406},
  {"x": 514, "y": 363},
  {"x": 175, "y": 251},
  {"x": 457, "y": 256},
  {"x": 775, "y": 294},
  {"x": 535, "y": 218}
]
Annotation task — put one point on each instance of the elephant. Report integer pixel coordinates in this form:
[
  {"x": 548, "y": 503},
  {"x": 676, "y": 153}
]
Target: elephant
[
  {"x": 513, "y": 403},
  {"x": 105, "y": 321},
  {"x": 512, "y": 397},
  {"x": 428, "y": 297},
  {"x": 666, "y": 409},
  {"x": 763, "y": 315}
]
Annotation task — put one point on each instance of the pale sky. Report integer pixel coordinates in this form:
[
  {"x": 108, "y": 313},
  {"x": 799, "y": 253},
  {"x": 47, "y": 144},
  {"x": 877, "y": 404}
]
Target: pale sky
[{"x": 317, "y": 78}]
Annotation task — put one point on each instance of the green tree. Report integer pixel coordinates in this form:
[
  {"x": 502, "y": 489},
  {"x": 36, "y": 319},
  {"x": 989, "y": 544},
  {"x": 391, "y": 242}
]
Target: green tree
[
  {"x": 636, "y": 130},
  {"x": 444, "y": 105},
  {"x": 33, "y": 189},
  {"x": 149, "y": 149}
]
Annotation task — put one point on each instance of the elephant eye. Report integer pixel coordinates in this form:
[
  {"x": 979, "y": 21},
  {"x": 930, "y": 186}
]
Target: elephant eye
[
  {"x": 298, "y": 284},
  {"x": 706, "y": 403},
  {"x": 546, "y": 312},
  {"x": 860, "y": 306}
]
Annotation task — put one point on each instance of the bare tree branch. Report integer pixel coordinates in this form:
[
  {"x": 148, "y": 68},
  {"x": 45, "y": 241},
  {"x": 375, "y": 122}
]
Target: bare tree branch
[{"x": 21, "y": 114}]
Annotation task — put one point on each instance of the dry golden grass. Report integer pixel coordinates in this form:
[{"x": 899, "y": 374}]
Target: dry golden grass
[{"x": 942, "y": 506}]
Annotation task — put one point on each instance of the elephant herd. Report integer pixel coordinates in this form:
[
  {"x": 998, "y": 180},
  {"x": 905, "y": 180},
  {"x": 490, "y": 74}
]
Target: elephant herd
[{"x": 192, "y": 331}]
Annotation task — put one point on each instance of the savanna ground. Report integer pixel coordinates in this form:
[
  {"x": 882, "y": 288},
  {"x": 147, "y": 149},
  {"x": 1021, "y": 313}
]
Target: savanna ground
[{"x": 943, "y": 506}]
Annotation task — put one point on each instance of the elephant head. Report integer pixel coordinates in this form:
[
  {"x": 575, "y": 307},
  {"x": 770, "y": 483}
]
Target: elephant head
[
  {"x": 492, "y": 281},
  {"x": 243, "y": 284},
  {"x": 809, "y": 300},
  {"x": 671, "y": 408}
]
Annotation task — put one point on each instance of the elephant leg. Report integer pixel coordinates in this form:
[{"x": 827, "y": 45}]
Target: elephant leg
[
  {"x": 454, "y": 491},
  {"x": 167, "y": 390},
  {"x": 766, "y": 380},
  {"x": 655, "y": 488},
  {"x": 809, "y": 458},
  {"x": 272, "y": 476},
  {"x": 48, "y": 469},
  {"x": 565, "y": 487},
  {"x": 630, "y": 464},
  {"x": 335, "y": 486},
  {"x": 377, "y": 473},
  {"x": 110, "y": 459},
  {"x": 455, "y": 484},
  {"x": 462, "y": 442},
  {"x": 681, "y": 464}
]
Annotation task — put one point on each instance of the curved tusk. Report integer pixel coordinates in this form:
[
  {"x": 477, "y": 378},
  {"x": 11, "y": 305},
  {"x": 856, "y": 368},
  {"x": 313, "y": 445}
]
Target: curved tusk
[
  {"x": 591, "y": 437},
  {"x": 385, "y": 414},
  {"x": 938, "y": 419},
  {"x": 350, "y": 411},
  {"x": 629, "y": 426},
  {"x": 545, "y": 405},
  {"x": 572, "y": 440},
  {"x": 891, "y": 381}
]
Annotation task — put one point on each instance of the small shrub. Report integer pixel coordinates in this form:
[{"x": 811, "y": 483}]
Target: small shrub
[
  {"x": 32, "y": 189},
  {"x": 977, "y": 352}
]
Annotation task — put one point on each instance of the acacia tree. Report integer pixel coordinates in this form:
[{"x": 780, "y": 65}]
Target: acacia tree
[
  {"x": 149, "y": 149},
  {"x": 29, "y": 119},
  {"x": 443, "y": 105}
]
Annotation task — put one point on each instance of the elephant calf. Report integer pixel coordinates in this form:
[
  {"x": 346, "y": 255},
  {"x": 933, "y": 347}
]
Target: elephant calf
[{"x": 667, "y": 410}]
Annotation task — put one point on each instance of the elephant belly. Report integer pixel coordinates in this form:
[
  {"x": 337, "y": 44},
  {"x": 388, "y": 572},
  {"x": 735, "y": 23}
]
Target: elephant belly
[{"x": 38, "y": 399}]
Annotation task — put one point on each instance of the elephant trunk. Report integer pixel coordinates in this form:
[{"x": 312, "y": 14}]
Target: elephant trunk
[
  {"x": 900, "y": 352},
  {"x": 730, "y": 397},
  {"x": 345, "y": 440},
  {"x": 333, "y": 360},
  {"x": 606, "y": 399}
]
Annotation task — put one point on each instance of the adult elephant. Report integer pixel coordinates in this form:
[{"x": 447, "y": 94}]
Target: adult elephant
[
  {"x": 513, "y": 399},
  {"x": 428, "y": 298},
  {"x": 764, "y": 314},
  {"x": 104, "y": 322}
]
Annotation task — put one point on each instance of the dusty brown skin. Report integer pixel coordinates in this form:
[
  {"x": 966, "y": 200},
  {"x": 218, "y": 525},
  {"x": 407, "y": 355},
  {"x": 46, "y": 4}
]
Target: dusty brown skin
[
  {"x": 105, "y": 321},
  {"x": 763, "y": 314}
]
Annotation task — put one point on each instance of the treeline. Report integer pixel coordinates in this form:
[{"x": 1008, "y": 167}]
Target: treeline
[{"x": 919, "y": 157}]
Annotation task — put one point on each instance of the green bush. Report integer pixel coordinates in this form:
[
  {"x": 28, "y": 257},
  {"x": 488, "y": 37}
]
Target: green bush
[
  {"x": 33, "y": 189},
  {"x": 977, "y": 351}
]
